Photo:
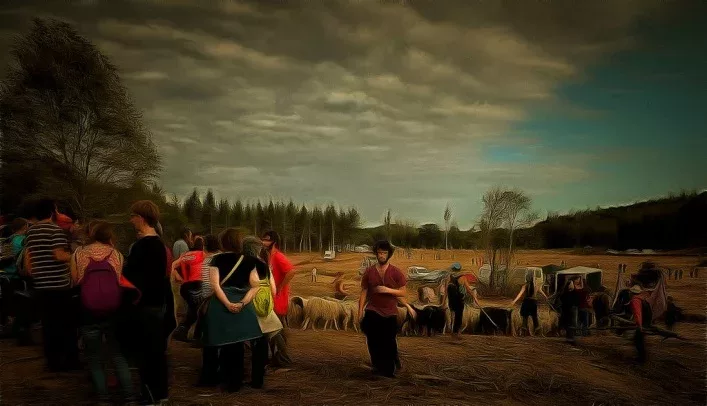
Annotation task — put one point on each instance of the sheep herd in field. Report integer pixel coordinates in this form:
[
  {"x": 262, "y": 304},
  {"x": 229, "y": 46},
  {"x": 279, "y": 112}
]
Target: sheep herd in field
[{"x": 327, "y": 312}]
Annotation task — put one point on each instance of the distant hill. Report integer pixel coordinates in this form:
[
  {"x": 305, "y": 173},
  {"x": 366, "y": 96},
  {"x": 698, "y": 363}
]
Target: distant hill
[{"x": 669, "y": 223}]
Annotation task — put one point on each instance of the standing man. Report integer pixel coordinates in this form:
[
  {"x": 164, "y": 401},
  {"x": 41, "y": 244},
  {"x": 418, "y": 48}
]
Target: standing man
[
  {"x": 381, "y": 286},
  {"x": 182, "y": 245},
  {"x": 282, "y": 272},
  {"x": 47, "y": 258},
  {"x": 460, "y": 291}
]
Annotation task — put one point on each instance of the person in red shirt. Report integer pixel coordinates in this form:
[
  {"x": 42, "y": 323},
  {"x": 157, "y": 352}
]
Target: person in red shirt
[
  {"x": 381, "y": 286},
  {"x": 282, "y": 271},
  {"x": 188, "y": 270},
  {"x": 641, "y": 316}
]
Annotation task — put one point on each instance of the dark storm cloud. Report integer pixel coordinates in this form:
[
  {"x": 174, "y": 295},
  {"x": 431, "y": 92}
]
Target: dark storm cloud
[{"x": 361, "y": 101}]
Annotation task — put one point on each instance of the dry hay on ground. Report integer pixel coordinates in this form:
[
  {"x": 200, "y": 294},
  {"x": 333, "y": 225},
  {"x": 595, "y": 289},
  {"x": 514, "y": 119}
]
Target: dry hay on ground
[{"x": 330, "y": 368}]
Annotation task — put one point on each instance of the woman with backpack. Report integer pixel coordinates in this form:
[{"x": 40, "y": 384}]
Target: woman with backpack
[
  {"x": 97, "y": 268},
  {"x": 231, "y": 319},
  {"x": 270, "y": 324}
]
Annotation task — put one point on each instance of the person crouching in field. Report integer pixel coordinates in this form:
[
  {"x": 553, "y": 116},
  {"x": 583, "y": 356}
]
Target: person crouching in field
[{"x": 381, "y": 286}]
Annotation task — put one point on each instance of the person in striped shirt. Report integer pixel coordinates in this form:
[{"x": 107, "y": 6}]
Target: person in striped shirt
[{"x": 48, "y": 259}]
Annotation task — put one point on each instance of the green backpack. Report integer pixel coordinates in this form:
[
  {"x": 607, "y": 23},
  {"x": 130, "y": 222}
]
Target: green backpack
[{"x": 263, "y": 300}]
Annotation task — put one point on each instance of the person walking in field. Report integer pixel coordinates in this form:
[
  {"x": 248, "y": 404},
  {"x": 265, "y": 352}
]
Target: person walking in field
[
  {"x": 529, "y": 306},
  {"x": 381, "y": 286}
]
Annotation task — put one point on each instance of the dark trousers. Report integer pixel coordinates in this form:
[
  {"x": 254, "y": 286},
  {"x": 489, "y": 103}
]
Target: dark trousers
[
  {"x": 59, "y": 314},
  {"x": 231, "y": 364},
  {"x": 209, "y": 366},
  {"x": 380, "y": 337},
  {"x": 458, "y": 309},
  {"x": 191, "y": 292},
  {"x": 571, "y": 322},
  {"x": 151, "y": 352},
  {"x": 8, "y": 302},
  {"x": 639, "y": 341},
  {"x": 456, "y": 305},
  {"x": 529, "y": 309}
]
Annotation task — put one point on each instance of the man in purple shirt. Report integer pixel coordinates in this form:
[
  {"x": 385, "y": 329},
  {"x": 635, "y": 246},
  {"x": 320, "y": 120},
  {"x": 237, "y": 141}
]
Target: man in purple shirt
[{"x": 381, "y": 286}]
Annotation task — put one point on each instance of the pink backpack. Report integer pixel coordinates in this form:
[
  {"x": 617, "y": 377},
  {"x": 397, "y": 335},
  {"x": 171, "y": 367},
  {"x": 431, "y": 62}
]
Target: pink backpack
[{"x": 101, "y": 294}]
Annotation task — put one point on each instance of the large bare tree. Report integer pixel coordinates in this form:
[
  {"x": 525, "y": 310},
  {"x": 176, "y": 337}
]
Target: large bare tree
[{"x": 67, "y": 121}]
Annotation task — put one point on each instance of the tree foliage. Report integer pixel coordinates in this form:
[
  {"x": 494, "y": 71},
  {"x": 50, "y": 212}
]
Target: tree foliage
[{"x": 69, "y": 128}]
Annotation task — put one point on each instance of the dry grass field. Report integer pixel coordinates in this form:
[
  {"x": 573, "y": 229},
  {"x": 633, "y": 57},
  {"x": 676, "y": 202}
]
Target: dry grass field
[{"x": 330, "y": 366}]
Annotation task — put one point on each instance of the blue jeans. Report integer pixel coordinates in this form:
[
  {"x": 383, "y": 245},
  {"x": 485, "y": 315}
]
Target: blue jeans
[{"x": 93, "y": 339}]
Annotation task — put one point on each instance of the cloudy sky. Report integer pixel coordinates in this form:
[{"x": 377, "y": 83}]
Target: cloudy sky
[{"x": 382, "y": 105}]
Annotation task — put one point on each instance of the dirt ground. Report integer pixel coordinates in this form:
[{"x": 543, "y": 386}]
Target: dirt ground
[{"x": 331, "y": 366}]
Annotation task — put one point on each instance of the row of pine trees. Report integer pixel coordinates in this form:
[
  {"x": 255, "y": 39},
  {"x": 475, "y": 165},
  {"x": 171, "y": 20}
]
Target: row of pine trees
[{"x": 300, "y": 227}]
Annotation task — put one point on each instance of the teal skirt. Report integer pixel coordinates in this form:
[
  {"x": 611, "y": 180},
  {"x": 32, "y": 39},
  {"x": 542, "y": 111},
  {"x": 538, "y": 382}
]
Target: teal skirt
[{"x": 223, "y": 327}]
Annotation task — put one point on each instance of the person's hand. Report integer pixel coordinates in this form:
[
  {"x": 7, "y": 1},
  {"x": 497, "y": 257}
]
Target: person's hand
[
  {"x": 413, "y": 314},
  {"x": 235, "y": 307},
  {"x": 381, "y": 289}
]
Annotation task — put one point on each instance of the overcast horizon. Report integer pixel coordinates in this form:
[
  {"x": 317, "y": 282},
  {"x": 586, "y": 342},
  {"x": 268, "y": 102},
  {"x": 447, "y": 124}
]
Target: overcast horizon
[{"x": 382, "y": 106}]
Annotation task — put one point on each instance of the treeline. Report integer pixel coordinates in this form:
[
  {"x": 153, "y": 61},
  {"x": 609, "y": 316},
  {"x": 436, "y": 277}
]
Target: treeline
[
  {"x": 301, "y": 228},
  {"x": 673, "y": 222}
]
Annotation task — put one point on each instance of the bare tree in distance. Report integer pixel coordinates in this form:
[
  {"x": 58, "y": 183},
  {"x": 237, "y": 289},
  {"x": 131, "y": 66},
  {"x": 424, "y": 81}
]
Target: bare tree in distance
[
  {"x": 86, "y": 133},
  {"x": 516, "y": 214},
  {"x": 490, "y": 221},
  {"x": 387, "y": 221},
  {"x": 447, "y": 218}
]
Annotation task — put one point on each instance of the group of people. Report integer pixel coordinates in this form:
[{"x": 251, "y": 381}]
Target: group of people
[
  {"x": 121, "y": 307},
  {"x": 220, "y": 277},
  {"x": 236, "y": 289}
]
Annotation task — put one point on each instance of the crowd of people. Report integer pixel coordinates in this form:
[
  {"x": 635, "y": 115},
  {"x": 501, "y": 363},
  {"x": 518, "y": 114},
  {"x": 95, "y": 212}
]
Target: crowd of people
[
  {"x": 78, "y": 284},
  {"x": 82, "y": 289}
]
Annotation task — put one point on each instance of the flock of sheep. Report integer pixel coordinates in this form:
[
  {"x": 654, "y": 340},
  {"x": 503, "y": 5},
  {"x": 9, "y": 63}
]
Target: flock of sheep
[{"x": 327, "y": 312}]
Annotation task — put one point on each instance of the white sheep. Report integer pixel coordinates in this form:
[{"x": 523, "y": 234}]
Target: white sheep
[
  {"x": 295, "y": 312},
  {"x": 318, "y": 308}
]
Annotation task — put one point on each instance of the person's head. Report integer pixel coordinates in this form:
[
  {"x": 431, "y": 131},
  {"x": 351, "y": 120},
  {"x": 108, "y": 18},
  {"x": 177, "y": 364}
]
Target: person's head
[
  {"x": 187, "y": 235},
  {"x": 252, "y": 246},
  {"x": 101, "y": 232},
  {"x": 144, "y": 215},
  {"x": 19, "y": 226},
  {"x": 211, "y": 244},
  {"x": 383, "y": 250},
  {"x": 230, "y": 240},
  {"x": 45, "y": 209},
  {"x": 198, "y": 244},
  {"x": 270, "y": 239}
]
